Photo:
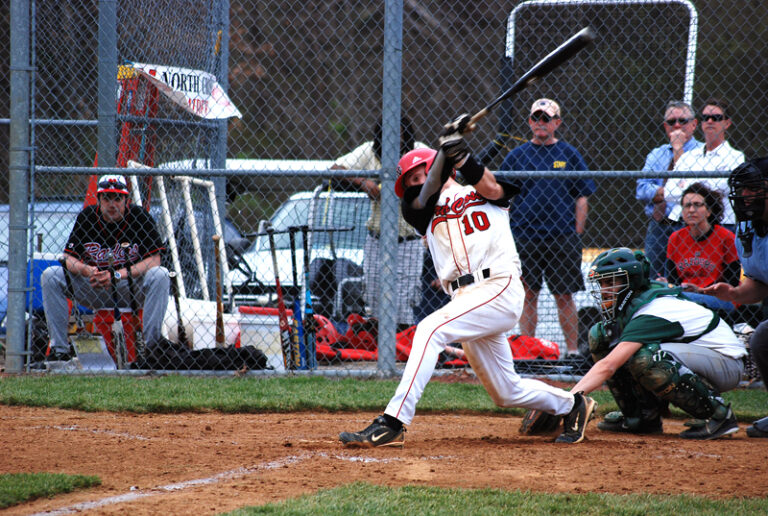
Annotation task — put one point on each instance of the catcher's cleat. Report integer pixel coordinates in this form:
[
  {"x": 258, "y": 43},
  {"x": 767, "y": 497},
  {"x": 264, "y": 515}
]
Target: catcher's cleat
[
  {"x": 616, "y": 422},
  {"x": 759, "y": 428},
  {"x": 707, "y": 429},
  {"x": 378, "y": 433},
  {"x": 575, "y": 422}
]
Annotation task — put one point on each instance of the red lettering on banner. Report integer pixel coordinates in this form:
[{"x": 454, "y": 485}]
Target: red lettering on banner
[{"x": 198, "y": 106}]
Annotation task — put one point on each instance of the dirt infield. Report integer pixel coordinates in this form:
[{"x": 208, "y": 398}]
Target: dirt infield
[{"x": 197, "y": 463}]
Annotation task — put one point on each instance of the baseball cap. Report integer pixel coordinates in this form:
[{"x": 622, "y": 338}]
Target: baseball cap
[
  {"x": 112, "y": 184},
  {"x": 548, "y": 106}
]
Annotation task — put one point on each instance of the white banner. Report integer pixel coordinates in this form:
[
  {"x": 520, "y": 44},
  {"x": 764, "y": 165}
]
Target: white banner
[{"x": 195, "y": 90}]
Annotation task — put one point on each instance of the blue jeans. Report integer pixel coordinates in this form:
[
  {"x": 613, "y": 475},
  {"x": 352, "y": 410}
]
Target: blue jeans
[
  {"x": 656, "y": 238},
  {"x": 710, "y": 302}
]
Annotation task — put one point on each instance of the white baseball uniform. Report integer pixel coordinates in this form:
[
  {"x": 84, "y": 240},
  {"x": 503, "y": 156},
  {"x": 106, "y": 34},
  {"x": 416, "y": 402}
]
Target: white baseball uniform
[{"x": 470, "y": 237}]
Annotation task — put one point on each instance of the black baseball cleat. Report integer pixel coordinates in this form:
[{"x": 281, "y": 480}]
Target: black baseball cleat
[
  {"x": 616, "y": 422},
  {"x": 575, "y": 422},
  {"x": 378, "y": 433},
  {"x": 713, "y": 428},
  {"x": 58, "y": 356},
  {"x": 759, "y": 428}
]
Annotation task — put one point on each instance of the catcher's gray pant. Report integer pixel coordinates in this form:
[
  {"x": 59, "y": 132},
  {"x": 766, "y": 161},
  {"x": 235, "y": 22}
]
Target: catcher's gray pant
[
  {"x": 151, "y": 293},
  {"x": 758, "y": 345},
  {"x": 722, "y": 371},
  {"x": 478, "y": 316},
  {"x": 410, "y": 261}
]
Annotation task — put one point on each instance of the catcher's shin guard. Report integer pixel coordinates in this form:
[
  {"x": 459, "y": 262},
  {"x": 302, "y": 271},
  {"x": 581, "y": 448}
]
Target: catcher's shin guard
[
  {"x": 641, "y": 410},
  {"x": 659, "y": 372}
]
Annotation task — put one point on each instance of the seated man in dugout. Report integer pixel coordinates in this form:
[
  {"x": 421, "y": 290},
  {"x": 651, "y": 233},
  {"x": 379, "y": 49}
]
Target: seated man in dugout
[{"x": 97, "y": 239}]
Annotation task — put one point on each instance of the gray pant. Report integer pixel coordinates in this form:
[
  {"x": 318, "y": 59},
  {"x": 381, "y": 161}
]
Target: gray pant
[
  {"x": 722, "y": 371},
  {"x": 410, "y": 261},
  {"x": 758, "y": 344},
  {"x": 151, "y": 293}
]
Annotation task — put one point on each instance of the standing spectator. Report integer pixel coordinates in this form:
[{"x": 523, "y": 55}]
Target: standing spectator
[
  {"x": 703, "y": 252},
  {"x": 748, "y": 185},
  {"x": 548, "y": 219},
  {"x": 679, "y": 125},
  {"x": 410, "y": 251},
  {"x": 98, "y": 231},
  {"x": 715, "y": 154}
]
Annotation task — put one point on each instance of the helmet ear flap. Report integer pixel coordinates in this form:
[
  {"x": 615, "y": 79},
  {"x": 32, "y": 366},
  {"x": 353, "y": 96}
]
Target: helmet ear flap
[{"x": 645, "y": 263}]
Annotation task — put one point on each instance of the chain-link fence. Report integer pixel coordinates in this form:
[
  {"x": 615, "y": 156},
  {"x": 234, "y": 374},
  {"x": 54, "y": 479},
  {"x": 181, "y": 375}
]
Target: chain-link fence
[{"x": 248, "y": 113}]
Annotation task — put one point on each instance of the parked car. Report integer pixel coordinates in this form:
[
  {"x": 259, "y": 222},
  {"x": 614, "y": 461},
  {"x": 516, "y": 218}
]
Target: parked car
[
  {"x": 336, "y": 238},
  {"x": 53, "y": 221}
]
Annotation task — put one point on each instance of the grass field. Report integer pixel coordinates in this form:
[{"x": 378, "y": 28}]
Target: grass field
[{"x": 178, "y": 395}]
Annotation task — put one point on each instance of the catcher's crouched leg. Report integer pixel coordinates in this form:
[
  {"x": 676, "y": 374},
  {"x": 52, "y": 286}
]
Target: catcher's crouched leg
[
  {"x": 538, "y": 422},
  {"x": 639, "y": 410}
]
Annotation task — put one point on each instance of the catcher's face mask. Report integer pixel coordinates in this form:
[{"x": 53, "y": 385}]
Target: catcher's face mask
[
  {"x": 611, "y": 290},
  {"x": 748, "y": 192}
]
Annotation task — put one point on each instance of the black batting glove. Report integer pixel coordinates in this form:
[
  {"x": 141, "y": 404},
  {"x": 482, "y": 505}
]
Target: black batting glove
[
  {"x": 457, "y": 125},
  {"x": 455, "y": 148}
]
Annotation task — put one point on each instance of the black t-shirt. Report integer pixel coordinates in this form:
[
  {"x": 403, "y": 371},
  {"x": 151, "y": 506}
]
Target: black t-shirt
[{"x": 92, "y": 238}]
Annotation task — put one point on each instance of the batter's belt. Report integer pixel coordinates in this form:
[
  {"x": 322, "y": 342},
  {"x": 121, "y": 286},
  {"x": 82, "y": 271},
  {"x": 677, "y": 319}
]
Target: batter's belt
[{"x": 470, "y": 278}]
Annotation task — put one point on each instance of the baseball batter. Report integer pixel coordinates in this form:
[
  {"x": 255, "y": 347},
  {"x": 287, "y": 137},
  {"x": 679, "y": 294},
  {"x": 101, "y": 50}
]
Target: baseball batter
[{"x": 468, "y": 235}]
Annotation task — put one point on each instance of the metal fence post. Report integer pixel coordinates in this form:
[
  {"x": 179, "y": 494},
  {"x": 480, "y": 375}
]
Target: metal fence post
[
  {"x": 392, "y": 77},
  {"x": 107, "y": 80},
  {"x": 18, "y": 181}
]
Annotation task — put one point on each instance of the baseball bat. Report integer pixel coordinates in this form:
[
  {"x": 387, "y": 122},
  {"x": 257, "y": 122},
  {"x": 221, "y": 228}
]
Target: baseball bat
[
  {"x": 118, "y": 332},
  {"x": 220, "y": 337},
  {"x": 296, "y": 304},
  {"x": 554, "y": 59},
  {"x": 138, "y": 333},
  {"x": 285, "y": 329},
  {"x": 308, "y": 320},
  {"x": 181, "y": 330}
]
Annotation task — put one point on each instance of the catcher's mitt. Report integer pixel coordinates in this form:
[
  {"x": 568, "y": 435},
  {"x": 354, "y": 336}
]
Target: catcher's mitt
[{"x": 537, "y": 422}]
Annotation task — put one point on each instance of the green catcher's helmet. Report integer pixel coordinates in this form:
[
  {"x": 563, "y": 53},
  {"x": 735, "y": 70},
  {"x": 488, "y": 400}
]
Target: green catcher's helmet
[{"x": 615, "y": 276}]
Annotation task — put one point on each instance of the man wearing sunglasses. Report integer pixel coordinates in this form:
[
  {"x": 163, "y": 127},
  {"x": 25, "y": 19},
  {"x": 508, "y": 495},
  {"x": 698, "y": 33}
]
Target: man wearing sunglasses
[
  {"x": 548, "y": 219},
  {"x": 715, "y": 155},
  {"x": 97, "y": 236},
  {"x": 679, "y": 125}
]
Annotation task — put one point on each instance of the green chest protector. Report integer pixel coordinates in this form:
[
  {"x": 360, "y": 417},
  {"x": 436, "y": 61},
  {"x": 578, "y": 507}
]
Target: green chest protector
[
  {"x": 602, "y": 339},
  {"x": 658, "y": 290},
  {"x": 645, "y": 297}
]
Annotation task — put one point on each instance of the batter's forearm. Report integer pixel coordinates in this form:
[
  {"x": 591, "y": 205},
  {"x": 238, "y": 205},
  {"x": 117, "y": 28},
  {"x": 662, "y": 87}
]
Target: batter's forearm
[{"x": 434, "y": 181}]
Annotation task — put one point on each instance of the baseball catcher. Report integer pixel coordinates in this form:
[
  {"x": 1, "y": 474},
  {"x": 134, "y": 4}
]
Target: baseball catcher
[{"x": 654, "y": 347}]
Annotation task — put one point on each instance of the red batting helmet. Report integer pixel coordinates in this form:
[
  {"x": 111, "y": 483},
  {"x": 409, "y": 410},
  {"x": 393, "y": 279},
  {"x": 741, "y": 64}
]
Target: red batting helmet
[{"x": 408, "y": 162}]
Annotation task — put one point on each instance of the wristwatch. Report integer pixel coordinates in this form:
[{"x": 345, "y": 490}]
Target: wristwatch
[{"x": 118, "y": 276}]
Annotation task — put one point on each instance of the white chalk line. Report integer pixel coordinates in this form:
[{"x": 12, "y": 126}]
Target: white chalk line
[
  {"x": 76, "y": 428},
  {"x": 226, "y": 475}
]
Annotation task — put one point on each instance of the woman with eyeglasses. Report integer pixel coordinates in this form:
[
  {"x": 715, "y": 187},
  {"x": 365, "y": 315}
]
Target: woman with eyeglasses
[
  {"x": 703, "y": 252},
  {"x": 716, "y": 155}
]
